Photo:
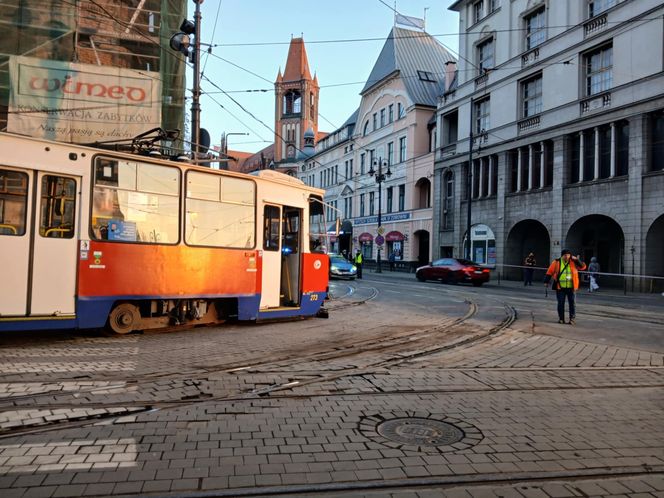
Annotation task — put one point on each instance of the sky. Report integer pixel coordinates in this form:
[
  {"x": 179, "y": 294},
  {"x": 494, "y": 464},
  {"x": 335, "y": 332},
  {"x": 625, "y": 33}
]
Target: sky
[{"x": 253, "y": 36}]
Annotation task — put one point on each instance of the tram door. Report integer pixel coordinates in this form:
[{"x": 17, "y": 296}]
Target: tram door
[
  {"x": 281, "y": 256},
  {"x": 54, "y": 255},
  {"x": 14, "y": 241}
]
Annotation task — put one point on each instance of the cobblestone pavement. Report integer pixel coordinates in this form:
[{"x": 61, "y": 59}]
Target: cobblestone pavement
[{"x": 453, "y": 404}]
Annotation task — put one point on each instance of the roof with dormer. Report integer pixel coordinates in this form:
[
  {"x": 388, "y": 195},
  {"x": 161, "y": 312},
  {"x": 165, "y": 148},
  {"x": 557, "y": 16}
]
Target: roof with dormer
[
  {"x": 297, "y": 64},
  {"x": 419, "y": 60}
]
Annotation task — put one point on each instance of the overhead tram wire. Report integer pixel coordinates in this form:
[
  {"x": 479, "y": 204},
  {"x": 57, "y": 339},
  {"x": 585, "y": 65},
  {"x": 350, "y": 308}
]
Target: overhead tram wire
[{"x": 214, "y": 30}]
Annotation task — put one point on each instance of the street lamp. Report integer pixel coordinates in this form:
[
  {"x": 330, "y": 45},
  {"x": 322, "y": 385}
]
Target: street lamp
[
  {"x": 224, "y": 146},
  {"x": 181, "y": 42},
  {"x": 380, "y": 178}
]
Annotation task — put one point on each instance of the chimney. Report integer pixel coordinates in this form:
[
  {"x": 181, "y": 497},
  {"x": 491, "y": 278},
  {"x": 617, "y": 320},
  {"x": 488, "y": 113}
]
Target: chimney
[{"x": 450, "y": 71}]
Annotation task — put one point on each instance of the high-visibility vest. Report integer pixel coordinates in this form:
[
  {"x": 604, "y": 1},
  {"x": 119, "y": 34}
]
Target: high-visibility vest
[{"x": 358, "y": 259}]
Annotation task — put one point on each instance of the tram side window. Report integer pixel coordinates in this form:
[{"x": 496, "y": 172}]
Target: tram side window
[
  {"x": 220, "y": 211},
  {"x": 13, "y": 202},
  {"x": 271, "y": 221},
  {"x": 135, "y": 202},
  {"x": 57, "y": 207}
]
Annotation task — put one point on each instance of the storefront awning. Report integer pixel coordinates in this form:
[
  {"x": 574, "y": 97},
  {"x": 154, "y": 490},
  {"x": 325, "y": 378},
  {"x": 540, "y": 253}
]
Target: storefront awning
[
  {"x": 345, "y": 228},
  {"x": 365, "y": 237},
  {"x": 394, "y": 236}
]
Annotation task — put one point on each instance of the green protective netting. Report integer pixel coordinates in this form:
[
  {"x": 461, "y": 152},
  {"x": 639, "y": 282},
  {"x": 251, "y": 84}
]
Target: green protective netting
[{"x": 131, "y": 34}]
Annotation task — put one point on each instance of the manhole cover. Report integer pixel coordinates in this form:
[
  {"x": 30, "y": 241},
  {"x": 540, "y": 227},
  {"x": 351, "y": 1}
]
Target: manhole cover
[{"x": 420, "y": 431}]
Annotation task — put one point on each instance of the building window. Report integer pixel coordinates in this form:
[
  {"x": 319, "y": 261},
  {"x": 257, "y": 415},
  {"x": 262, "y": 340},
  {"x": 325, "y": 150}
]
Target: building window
[
  {"x": 657, "y": 141},
  {"x": 493, "y": 5},
  {"x": 422, "y": 198},
  {"x": 390, "y": 113},
  {"x": 402, "y": 197},
  {"x": 390, "y": 197},
  {"x": 426, "y": 76},
  {"x": 365, "y": 130},
  {"x": 599, "y": 70},
  {"x": 448, "y": 201},
  {"x": 382, "y": 118},
  {"x": 372, "y": 197},
  {"x": 598, "y": 6},
  {"x": 375, "y": 121},
  {"x": 532, "y": 96},
  {"x": 482, "y": 115},
  {"x": 450, "y": 128},
  {"x": 361, "y": 204},
  {"x": 535, "y": 32},
  {"x": 485, "y": 53},
  {"x": 390, "y": 153},
  {"x": 362, "y": 162},
  {"x": 402, "y": 149},
  {"x": 401, "y": 110},
  {"x": 478, "y": 11},
  {"x": 350, "y": 164}
]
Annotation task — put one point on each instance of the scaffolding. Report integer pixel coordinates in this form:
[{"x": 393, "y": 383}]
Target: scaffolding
[{"x": 131, "y": 34}]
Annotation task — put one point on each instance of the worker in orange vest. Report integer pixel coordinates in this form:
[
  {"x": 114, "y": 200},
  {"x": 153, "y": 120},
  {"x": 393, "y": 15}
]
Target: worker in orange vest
[{"x": 565, "y": 275}]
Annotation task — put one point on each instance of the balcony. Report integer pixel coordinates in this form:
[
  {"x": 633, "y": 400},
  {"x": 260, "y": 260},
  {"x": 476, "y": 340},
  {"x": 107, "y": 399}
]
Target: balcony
[
  {"x": 595, "y": 25},
  {"x": 482, "y": 80},
  {"x": 530, "y": 57},
  {"x": 529, "y": 123},
  {"x": 447, "y": 151},
  {"x": 596, "y": 102}
]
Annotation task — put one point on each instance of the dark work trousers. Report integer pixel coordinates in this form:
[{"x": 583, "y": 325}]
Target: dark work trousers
[
  {"x": 560, "y": 295},
  {"x": 359, "y": 269},
  {"x": 528, "y": 278}
]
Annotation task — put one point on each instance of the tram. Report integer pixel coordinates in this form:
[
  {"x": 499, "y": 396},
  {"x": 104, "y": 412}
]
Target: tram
[{"x": 93, "y": 238}]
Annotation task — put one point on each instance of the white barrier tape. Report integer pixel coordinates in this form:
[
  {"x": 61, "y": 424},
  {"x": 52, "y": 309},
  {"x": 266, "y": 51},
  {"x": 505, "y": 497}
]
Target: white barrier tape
[{"x": 544, "y": 268}]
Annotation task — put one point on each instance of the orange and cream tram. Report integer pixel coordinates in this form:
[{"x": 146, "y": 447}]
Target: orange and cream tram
[{"x": 91, "y": 238}]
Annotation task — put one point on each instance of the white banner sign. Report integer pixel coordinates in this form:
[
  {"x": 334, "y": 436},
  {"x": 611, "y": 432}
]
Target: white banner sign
[{"x": 81, "y": 103}]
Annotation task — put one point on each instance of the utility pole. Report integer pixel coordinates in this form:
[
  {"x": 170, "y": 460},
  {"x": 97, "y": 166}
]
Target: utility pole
[
  {"x": 195, "y": 101},
  {"x": 469, "y": 186}
]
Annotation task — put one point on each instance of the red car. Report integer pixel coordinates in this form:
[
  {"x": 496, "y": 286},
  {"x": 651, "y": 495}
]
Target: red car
[{"x": 452, "y": 270}]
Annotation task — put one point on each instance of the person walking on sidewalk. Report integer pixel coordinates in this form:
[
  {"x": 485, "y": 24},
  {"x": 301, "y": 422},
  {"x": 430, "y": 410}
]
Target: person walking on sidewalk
[
  {"x": 530, "y": 264},
  {"x": 593, "y": 270},
  {"x": 565, "y": 275},
  {"x": 358, "y": 263}
]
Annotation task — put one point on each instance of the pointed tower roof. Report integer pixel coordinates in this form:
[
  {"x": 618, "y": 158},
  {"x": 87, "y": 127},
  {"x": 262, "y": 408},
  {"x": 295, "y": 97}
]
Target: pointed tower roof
[
  {"x": 297, "y": 65},
  {"x": 420, "y": 60},
  {"x": 279, "y": 76}
]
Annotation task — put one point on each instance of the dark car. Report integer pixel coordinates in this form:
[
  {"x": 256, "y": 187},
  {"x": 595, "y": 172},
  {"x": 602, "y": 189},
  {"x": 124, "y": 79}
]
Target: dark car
[
  {"x": 453, "y": 270},
  {"x": 340, "y": 267}
]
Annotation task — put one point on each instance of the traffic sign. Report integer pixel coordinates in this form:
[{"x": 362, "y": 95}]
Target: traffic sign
[
  {"x": 380, "y": 240},
  {"x": 381, "y": 230}
]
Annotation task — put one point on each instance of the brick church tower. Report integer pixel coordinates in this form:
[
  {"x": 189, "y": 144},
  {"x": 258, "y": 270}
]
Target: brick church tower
[{"x": 296, "y": 104}]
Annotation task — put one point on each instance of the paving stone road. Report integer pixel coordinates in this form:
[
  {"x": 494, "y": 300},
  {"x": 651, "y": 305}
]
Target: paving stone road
[{"x": 375, "y": 401}]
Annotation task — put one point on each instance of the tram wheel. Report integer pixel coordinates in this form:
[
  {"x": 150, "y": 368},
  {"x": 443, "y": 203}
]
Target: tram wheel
[{"x": 124, "y": 318}]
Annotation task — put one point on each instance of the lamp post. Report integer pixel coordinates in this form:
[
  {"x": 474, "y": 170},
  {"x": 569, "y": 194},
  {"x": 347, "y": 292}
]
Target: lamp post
[
  {"x": 380, "y": 178},
  {"x": 224, "y": 148},
  {"x": 181, "y": 42},
  {"x": 469, "y": 188}
]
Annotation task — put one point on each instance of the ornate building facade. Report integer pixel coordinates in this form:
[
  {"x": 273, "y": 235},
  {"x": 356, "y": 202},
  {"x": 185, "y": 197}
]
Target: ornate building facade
[{"x": 564, "y": 112}]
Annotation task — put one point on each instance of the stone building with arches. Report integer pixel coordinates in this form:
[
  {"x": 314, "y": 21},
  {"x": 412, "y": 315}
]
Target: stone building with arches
[{"x": 567, "y": 117}]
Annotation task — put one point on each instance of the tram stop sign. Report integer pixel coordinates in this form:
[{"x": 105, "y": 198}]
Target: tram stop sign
[{"x": 380, "y": 240}]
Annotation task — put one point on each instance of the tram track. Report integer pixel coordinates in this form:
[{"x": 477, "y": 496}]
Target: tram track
[
  {"x": 403, "y": 347},
  {"x": 394, "y": 344}
]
